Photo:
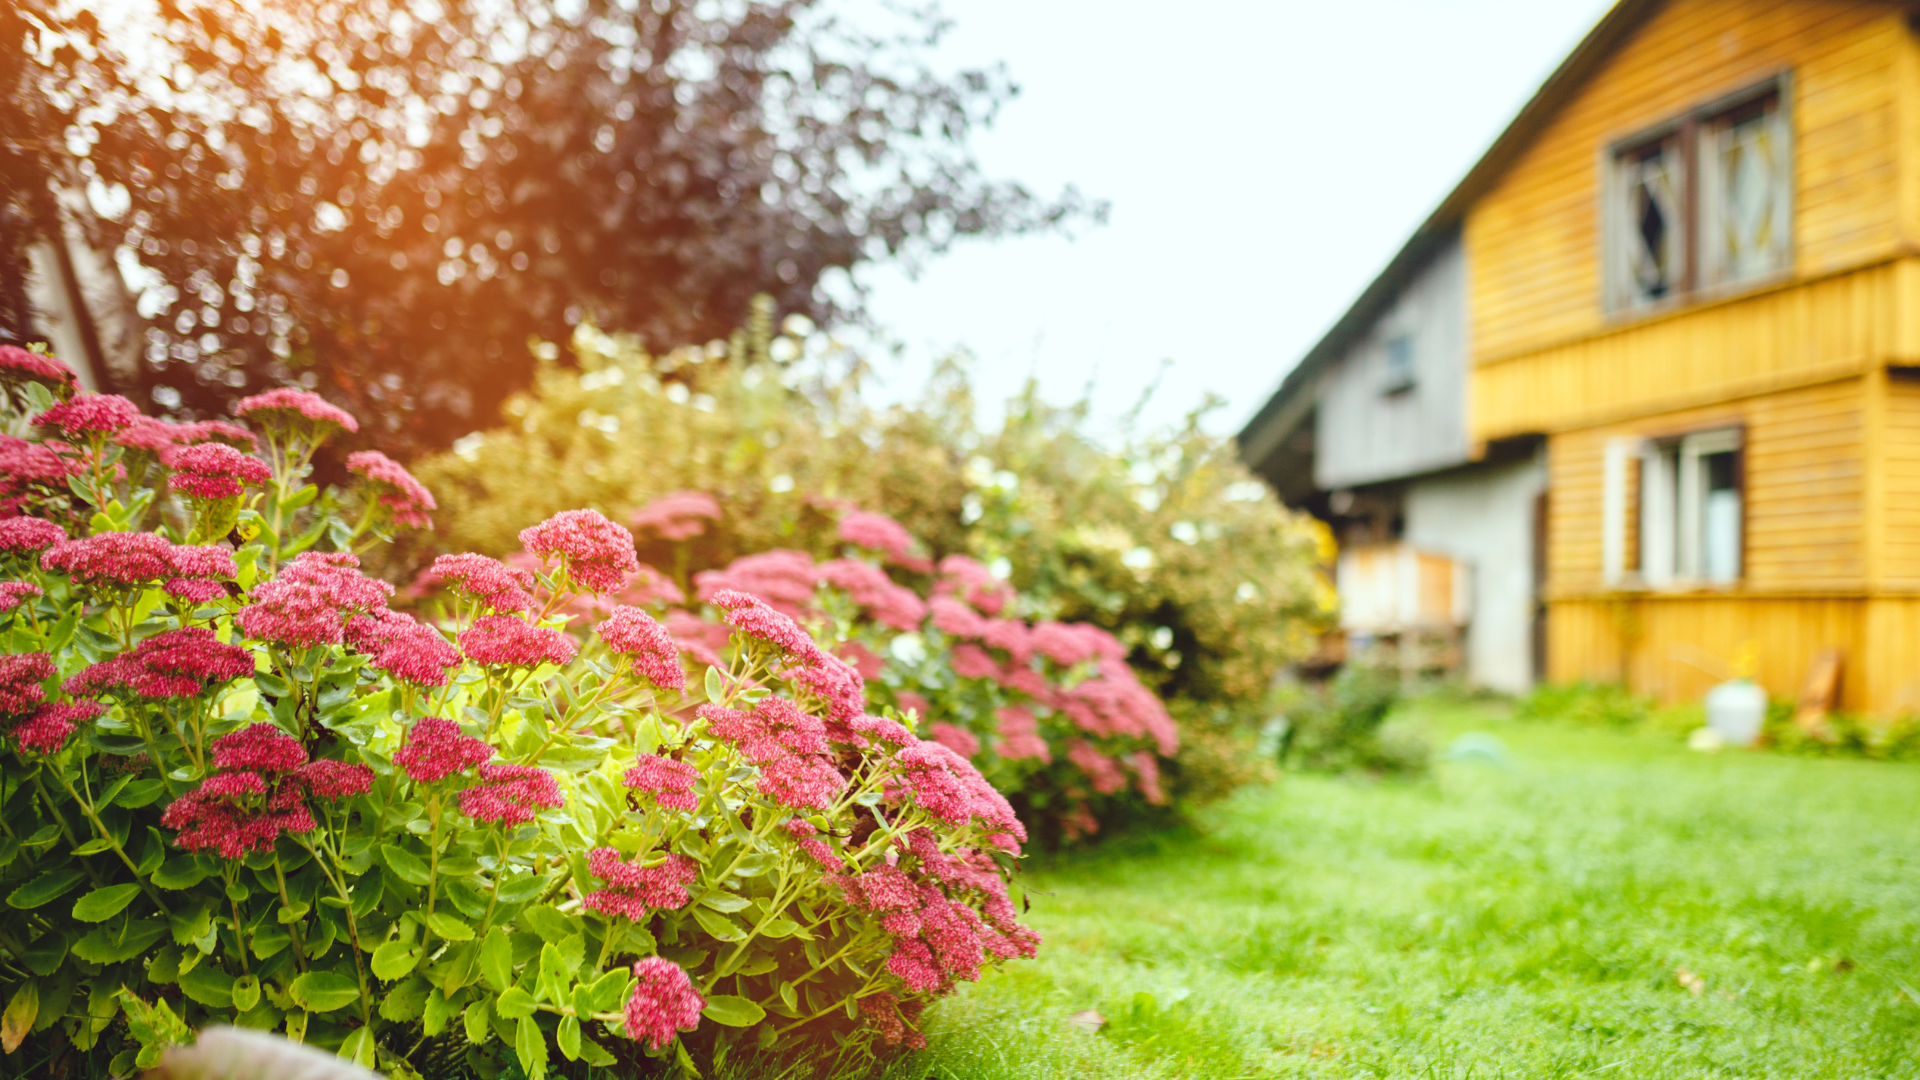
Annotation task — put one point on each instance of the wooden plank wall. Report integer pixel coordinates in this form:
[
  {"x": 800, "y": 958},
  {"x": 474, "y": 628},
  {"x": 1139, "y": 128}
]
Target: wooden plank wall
[
  {"x": 1533, "y": 244},
  {"x": 1667, "y": 646},
  {"x": 1805, "y": 509},
  {"x": 1900, "y": 458},
  {"x": 1782, "y": 338}
]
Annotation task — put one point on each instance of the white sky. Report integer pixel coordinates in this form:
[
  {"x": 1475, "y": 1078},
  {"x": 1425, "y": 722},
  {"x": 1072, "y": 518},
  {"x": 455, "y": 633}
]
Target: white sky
[{"x": 1264, "y": 160}]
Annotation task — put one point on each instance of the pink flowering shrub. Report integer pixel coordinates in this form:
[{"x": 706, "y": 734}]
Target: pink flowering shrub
[{"x": 524, "y": 823}]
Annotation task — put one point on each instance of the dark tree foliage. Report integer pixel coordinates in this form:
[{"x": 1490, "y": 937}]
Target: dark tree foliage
[{"x": 390, "y": 198}]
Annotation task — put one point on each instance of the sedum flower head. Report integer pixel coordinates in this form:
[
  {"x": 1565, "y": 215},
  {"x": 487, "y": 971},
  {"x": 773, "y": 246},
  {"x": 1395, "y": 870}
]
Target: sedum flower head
[
  {"x": 86, "y": 414},
  {"x": 509, "y": 641},
  {"x": 214, "y": 471},
  {"x": 405, "y": 497},
  {"x": 435, "y": 749},
  {"x": 681, "y": 515},
  {"x": 663, "y": 1002},
  {"x": 597, "y": 554},
  {"x": 292, "y": 408},
  {"x": 646, "y": 644},
  {"x": 511, "y": 794}
]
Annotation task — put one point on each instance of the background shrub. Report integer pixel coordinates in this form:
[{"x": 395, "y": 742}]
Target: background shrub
[
  {"x": 1166, "y": 542},
  {"x": 1344, "y": 724}
]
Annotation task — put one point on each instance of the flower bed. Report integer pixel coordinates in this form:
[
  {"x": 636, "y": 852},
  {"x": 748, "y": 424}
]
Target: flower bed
[{"x": 243, "y": 786}]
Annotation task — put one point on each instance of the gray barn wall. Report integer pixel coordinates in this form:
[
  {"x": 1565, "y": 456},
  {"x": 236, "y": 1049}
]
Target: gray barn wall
[
  {"x": 1363, "y": 435},
  {"x": 1483, "y": 516}
]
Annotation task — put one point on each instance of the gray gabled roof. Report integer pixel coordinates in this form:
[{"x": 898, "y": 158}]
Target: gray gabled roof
[{"x": 1269, "y": 427}]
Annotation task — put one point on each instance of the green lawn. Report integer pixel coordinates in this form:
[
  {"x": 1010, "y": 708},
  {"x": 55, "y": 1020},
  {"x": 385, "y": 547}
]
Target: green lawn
[{"x": 1528, "y": 921}]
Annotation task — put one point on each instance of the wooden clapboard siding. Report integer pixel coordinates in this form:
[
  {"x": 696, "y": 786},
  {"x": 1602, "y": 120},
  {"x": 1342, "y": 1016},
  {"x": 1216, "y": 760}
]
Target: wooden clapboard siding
[
  {"x": 1900, "y": 459},
  {"x": 1785, "y": 337},
  {"x": 1533, "y": 241},
  {"x": 1804, "y": 489},
  {"x": 1675, "y": 647}
]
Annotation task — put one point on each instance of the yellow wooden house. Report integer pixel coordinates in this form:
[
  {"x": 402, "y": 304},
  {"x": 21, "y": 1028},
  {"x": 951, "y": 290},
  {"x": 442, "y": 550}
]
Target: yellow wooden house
[{"x": 1688, "y": 297}]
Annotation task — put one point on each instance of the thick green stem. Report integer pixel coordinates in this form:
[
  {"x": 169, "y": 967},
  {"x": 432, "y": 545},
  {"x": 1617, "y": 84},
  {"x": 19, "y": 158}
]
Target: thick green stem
[{"x": 286, "y": 904}]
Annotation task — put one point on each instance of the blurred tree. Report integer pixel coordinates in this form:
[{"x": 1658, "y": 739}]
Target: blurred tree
[{"x": 385, "y": 198}]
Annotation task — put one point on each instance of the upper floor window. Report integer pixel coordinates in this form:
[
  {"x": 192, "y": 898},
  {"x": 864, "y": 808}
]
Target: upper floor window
[
  {"x": 1399, "y": 373},
  {"x": 1703, "y": 202}
]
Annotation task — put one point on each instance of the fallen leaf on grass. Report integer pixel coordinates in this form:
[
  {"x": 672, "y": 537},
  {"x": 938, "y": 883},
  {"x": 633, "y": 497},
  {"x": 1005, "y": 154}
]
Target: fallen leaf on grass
[
  {"x": 1087, "y": 1020},
  {"x": 1695, "y": 984}
]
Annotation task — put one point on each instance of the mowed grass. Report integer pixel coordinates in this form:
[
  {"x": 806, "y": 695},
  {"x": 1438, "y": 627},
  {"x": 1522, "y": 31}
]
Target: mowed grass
[{"x": 1526, "y": 921}]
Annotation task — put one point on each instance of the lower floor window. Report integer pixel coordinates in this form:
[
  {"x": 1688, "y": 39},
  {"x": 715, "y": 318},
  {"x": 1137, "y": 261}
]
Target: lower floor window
[{"x": 1682, "y": 498}]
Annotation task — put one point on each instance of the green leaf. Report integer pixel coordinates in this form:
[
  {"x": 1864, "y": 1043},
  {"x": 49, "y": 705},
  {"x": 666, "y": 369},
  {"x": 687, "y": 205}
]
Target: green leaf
[
  {"x": 246, "y": 992},
  {"x": 549, "y": 923},
  {"x": 44, "y": 956},
  {"x": 141, "y": 792},
  {"x": 733, "y": 1011},
  {"x": 449, "y": 927},
  {"x": 568, "y": 1036},
  {"x": 405, "y": 865},
  {"x": 209, "y": 986},
  {"x": 181, "y": 872},
  {"x": 606, "y": 991},
  {"x": 394, "y": 959},
  {"x": 193, "y": 922},
  {"x": 357, "y": 1047},
  {"x": 778, "y": 928},
  {"x": 94, "y": 846},
  {"x": 496, "y": 959},
  {"x": 104, "y": 903},
  {"x": 514, "y": 1003},
  {"x": 556, "y": 976},
  {"x": 530, "y": 1046},
  {"x": 324, "y": 991},
  {"x": 407, "y": 1001},
  {"x": 520, "y": 889},
  {"x": 479, "y": 1021},
  {"x": 596, "y": 1055},
  {"x": 19, "y": 1017},
  {"x": 716, "y": 686},
  {"x": 718, "y": 925},
  {"x": 725, "y": 901},
  {"x": 437, "y": 1011},
  {"x": 46, "y": 887},
  {"x": 104, "y": 945}
]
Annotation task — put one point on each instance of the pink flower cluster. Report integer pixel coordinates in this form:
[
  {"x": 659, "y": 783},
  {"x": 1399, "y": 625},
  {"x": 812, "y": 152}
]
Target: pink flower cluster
[
  {"x": 124, "y": 560},
  {"x": 632, "y": 889},
  {"x": 18, "y": 364},
  {"x": 938, "y": 938},
  {"x": 336, "y": 780},
  {"x": 310, "y": 600},
  {"x": 647, "y": 645},
  {"x": 22, "y": 676},
  {"x": 287, "y": 406},
  {"x": 753, "y": 617},
  {"x": 510, "y": 794},
  {"x": 796, "y": 764},
  {"x": 782, "y": 578},
  {"x": 435, "y": 749},
  {"x": 171, "y": 664},
  {"x": 27, "y": 466},
  {"x": 807, "y": 839},
  {"x": 403, "y": 647},
  {"x": 663, "y": 1002},
  {"x": 161, "y": 438},
  {"x": 47, "y": 729},
  {"x": 14, "y": 593},
  {"x": 681, "y": 515},
  {"x": 877, "y": 532},
  {"x": 1113, "y": 703},
  {"x": 87, "y": 414},
  {"x": 214, "y": 471},
  {"x": 597, "y": 554},
  {"x": 894, "y": 1019},
  {"x": 971, "y": 581},
  {"x": 24, "y": 535},
  {"x": 488, "y": 582},
  {"x": 257, "y": 794},
  {"x": 510, "y": 641},
  {"x": 407, "y": 499},
  {"x": 670, "y": 782},
  {"x": 947, "y": 786},
  {"x": 1020, "y": 735},
  {"x": 870, "y": 587}
]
